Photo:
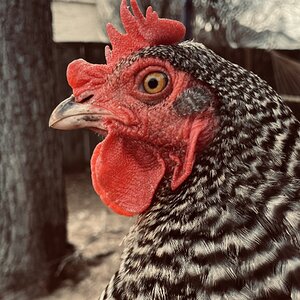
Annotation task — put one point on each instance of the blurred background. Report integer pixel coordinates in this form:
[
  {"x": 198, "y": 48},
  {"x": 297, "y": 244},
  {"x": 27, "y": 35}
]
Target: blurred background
[{"x": 57, "y": 240}]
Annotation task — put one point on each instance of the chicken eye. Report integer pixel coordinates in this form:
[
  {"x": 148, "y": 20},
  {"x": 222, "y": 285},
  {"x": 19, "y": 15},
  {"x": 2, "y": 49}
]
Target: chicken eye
[{"x": 155, "y": 82}]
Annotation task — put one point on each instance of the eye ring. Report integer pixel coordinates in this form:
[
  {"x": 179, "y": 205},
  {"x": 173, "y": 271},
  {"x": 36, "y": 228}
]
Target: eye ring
[{"x": 155, "y": 82}]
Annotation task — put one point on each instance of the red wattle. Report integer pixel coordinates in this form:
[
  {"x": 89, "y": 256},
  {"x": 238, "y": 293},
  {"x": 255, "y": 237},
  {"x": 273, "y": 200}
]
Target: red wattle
[{"x": 126, "y": 173}]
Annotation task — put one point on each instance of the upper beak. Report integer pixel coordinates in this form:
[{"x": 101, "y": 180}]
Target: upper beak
[{"x": 72, "y": 115}]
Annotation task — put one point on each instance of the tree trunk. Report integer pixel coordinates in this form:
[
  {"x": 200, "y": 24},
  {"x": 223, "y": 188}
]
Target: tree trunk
[{"x": 32, "y": 203}]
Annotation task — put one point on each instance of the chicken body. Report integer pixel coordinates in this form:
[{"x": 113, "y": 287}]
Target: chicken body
[
  {"x": 232, "y": 230},
  {"x": 205, "y": 153}
]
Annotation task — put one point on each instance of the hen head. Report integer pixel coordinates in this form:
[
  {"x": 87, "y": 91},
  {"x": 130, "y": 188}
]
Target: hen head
[{"x": 155, "y": 117}]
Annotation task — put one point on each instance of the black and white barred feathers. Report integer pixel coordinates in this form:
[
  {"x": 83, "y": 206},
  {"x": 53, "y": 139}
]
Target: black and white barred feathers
[{"x": 232, "y": 230}]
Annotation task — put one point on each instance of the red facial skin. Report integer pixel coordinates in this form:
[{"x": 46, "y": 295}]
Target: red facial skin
[{"x": 141, "y": 127}]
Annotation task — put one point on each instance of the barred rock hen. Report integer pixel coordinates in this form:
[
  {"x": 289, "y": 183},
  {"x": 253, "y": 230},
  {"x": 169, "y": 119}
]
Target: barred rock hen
[{"x": 204, "y": 152}]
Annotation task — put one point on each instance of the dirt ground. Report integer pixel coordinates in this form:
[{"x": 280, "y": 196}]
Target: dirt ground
[{"x": 97, "y": 234}]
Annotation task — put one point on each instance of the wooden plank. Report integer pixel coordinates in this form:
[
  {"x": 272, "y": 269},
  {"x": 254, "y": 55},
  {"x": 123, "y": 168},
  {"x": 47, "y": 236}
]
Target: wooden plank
[
  {"x": 77, "y": 22},
  {"x": 291, "y": 98}
]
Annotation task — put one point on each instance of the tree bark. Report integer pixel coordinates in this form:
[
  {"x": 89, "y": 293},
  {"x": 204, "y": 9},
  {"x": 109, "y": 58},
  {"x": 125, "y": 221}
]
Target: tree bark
[{"x": 32, "y": 203}]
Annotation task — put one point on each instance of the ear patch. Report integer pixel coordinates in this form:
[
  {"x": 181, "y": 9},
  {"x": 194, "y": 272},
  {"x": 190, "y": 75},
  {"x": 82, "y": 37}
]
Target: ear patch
[{"x": 193, "y": 100}]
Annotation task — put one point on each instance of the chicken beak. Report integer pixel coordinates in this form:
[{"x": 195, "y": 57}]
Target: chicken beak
[{"x": 72, "y": 115}]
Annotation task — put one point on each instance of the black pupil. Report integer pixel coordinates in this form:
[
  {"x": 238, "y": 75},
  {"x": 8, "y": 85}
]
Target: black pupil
[{"x": 153, "y": 83}]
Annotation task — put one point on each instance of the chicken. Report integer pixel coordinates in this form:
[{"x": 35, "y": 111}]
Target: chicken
[{"x": 204, "y": 152}]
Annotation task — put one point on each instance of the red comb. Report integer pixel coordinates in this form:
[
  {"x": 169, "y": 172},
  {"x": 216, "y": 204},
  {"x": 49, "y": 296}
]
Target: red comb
[{"x": 140, "y": 32}]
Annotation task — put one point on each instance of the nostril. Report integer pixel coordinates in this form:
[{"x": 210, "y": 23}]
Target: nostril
[
  {"x": 84, "y": 97},
  {"x": 87, "y": 98}
]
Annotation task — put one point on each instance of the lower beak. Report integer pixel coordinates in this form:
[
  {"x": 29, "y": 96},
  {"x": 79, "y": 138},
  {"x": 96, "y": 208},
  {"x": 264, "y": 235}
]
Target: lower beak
[{"x": 72, "y": 115}]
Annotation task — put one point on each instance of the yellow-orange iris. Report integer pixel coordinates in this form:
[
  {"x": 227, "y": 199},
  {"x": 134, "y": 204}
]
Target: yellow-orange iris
[{"x": 155, "y": 82}]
